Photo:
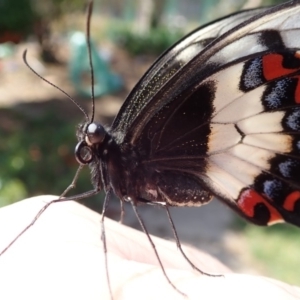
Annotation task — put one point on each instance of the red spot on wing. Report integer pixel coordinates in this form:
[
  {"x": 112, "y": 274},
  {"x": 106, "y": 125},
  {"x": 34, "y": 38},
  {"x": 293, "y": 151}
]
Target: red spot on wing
[
  {"x": 290, "y": 200},
  {"x": 273, "y": 68},
  {"x": 250, "y": 198}
]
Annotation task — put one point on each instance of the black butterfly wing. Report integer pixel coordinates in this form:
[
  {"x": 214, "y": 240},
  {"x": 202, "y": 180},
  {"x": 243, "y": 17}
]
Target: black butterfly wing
[{"x": 227, "y": 121}]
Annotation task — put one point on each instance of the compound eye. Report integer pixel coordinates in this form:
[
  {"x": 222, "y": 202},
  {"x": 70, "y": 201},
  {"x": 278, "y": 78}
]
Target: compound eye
[
  {"x": 83, "y": 153},
  {"x": 95, "y": 133}
]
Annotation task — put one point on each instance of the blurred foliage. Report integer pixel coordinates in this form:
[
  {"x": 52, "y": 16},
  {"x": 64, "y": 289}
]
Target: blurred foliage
[
  {"x": 274, "y": 250},
  {"x": 21, "y": 15},
  {"x": 154, "y": 42},
  {"x": 54, "y": 9},
  {"x": 16, "y": 15},
  {"x": 37, "y": 156}
]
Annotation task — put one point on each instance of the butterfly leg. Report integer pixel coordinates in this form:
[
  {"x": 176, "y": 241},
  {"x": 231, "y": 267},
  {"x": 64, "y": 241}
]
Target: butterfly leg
[
  {"x": 179, "y": 244},
  {"x": 60, "y": 199},
  {"x": 153, "y": 246}
]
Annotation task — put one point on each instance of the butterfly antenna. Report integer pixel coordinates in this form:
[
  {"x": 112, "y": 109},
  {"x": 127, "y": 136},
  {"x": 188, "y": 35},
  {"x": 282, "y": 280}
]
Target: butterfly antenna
[
  {"x": 88, "y": 40},
  {"x": 52, "y": 84}
]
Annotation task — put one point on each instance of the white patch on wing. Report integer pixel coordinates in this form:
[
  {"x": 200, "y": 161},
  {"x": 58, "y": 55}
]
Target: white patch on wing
[
  {"x": 264, "y": 122},
  {"x": 291, "y": 37},
  {"x": 287, "y": 19},
  {"x": 243, "y": 171},
  {"x": 242, "y": 47},
  {"x": 222, "y": 136},
  {"x": 280, "y": 143},
  {"x": 226, "y": 83},
  {"x": 255, "y": 156},
  {"x": 188, "y": 53},
  {"x": 224, "y": 184},
  {"x": 245, "y": 106}
]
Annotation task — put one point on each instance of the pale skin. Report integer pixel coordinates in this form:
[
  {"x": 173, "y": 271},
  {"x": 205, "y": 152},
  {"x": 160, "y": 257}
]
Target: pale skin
[{"x": 61, "y": 257}]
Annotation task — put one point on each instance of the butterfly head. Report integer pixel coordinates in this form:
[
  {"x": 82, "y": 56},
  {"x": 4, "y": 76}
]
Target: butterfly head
[{"x": 91, "y": 136}]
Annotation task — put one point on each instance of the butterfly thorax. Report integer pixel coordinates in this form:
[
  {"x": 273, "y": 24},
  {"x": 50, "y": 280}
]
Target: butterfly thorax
[
  {"x": 120, "y": 165},
  {"x": 128, "y": 176}
]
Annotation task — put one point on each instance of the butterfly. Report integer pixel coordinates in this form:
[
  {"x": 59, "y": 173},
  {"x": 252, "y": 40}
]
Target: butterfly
[{"x": 218, "y": 114}]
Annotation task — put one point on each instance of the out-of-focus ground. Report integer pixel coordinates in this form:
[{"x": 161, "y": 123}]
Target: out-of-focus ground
[{"x": 207, "y": 228}]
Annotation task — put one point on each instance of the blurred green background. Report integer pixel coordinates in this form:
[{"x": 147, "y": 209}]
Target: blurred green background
[{"x": 38, "y": 123}]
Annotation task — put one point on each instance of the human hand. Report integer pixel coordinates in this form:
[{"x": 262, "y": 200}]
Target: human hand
[{"x": 61, "y": 257}]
